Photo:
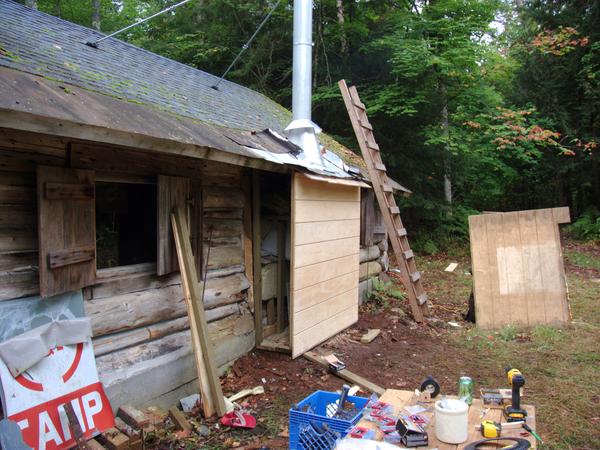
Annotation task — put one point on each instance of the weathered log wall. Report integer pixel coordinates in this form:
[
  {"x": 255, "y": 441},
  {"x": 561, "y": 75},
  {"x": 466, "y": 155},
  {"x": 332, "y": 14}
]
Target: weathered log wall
[
  {"x": 374, "y": 257},
  {"x": 139, "y": 320}
]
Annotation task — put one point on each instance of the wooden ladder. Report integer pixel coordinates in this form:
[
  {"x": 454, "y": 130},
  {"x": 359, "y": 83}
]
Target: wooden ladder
[{"x": 410, "y": 276}]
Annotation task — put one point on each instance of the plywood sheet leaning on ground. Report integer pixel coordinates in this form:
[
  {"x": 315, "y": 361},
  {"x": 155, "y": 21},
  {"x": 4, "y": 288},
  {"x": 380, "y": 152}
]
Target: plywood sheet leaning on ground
[
  {"x": 519, "y": 277},
  {"x": 325, "y": 260}
]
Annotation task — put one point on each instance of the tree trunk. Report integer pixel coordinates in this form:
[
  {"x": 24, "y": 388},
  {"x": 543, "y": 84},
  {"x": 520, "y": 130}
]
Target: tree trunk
[
  {"x": 341, "y": 20},
  {"x": 446, "y": 156},
  {"x": 31, "y": 3},
  {"x": 96, "y": 14}
]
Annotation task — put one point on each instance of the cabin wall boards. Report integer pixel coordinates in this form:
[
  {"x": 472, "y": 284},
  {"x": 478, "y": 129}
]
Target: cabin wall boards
[
  {"x": 325, "y": 260},
  {"x": 139, "y": 318},
  {"x": 518, "y": 270}
]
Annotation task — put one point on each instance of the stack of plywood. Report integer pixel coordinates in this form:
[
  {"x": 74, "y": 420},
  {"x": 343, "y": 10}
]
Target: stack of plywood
[{"x": 518, "y": 270}]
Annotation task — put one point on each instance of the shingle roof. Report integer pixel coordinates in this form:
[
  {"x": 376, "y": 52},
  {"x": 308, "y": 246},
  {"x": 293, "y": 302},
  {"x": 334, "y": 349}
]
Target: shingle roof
[{"x": 37, "y": 43}]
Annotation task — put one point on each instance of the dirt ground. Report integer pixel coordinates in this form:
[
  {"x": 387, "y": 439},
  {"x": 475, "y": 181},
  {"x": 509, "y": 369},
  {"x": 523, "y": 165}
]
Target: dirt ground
[{"x": 405, "y": 353}]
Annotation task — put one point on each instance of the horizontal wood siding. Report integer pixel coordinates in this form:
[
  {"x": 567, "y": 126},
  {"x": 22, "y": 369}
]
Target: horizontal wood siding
[{"x": 325, "y": 261}]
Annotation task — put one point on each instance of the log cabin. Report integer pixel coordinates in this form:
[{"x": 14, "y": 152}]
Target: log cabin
[{"x": 98, "y": 144}]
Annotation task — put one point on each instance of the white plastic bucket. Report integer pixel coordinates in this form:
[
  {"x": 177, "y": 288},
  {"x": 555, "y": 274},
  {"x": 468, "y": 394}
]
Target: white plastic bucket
[{"x": 452, "y": 422}]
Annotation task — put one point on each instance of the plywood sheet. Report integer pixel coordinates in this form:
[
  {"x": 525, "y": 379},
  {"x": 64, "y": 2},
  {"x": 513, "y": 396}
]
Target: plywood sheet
[
  {"x": 518, "y": 268},
  {"x": 325, "y": 261}
]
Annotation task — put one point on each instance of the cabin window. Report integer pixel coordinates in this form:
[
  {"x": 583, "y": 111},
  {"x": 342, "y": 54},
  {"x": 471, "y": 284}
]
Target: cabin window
[{"x": 126, "y": 224}]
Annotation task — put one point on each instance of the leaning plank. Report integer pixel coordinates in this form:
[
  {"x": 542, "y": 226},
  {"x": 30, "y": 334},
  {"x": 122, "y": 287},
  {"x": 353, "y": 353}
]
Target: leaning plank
[
  {"x": 345, "y": 374},
  {"x": 192, "y": 290},
  {"x": 518, "y": 269}
]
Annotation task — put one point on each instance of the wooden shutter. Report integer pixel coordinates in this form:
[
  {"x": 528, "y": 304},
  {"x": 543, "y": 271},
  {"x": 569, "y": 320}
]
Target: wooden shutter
[
  {"x": 66, "y": 229},
  {"x": 172, "y": 192},
  {"x": 325, "y": 261}
]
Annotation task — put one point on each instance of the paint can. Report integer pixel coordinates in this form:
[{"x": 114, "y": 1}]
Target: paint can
[{"x": 451, "y": 421}]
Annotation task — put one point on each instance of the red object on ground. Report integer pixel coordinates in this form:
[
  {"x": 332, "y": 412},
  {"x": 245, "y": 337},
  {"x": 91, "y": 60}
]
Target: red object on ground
[{"x": 237, "y": 419}]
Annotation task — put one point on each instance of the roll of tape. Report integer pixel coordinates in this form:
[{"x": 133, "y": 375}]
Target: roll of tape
[{"x": 430, "y": 385}]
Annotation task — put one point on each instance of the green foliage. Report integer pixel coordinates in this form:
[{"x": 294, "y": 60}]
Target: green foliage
[
  {"x": 381, "y": 293},
  {"x": 587, "y": 226},
  {"x": 508, "y": 333},
  {"x": 510, "y": 115}
]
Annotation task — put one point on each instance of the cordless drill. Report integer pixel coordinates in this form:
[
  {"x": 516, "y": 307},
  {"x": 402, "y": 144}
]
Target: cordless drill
[{"x": 514, "y": 412}]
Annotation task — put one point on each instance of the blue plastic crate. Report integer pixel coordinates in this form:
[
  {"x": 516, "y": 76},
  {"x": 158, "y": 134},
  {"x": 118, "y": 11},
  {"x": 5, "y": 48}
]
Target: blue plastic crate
[{"x": 323, "y": 406}]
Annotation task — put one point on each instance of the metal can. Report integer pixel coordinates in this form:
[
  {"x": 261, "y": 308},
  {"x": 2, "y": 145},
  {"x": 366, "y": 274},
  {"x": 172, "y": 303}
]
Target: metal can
[{"x": 465, "y": 389}]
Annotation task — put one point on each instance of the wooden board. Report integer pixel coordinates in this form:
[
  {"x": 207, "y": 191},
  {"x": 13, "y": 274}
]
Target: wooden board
[
  {"x": 66, "y": 229},
  {"x": 210, "y": 384},
  {"x": 518, "y": 270},
  {"x": 324, "y": 261},
  {"x": 398, "y": 399},
  {"x": 345, "y": 374},
  {"x": 171, "y": 192}
]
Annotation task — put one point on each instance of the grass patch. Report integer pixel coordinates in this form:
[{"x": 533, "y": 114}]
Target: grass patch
[
  {"x": 583, "y": 260},
  {"x": 560, "y": 365}
]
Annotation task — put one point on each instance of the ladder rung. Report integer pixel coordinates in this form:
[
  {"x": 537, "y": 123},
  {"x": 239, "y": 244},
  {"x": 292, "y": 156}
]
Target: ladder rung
[
  {"x": 380, "y": 166},
  {"x": 359, "y": 104},
  {"x": 422, "y": 299},
  {"x": 394, "y": 210},
  {"x": 373, "y": 146},
  {"x": 415, "y": 276},
  {"x": 401, "y": 232},
  {"x": 408, "y": 254},
  {"x": 365, "y": 124},
  {"x": 387, "y": 188}
]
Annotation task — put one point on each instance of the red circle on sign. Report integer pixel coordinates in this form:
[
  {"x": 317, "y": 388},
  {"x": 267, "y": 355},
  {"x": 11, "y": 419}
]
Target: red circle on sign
[{"x": 35, "y": 386}]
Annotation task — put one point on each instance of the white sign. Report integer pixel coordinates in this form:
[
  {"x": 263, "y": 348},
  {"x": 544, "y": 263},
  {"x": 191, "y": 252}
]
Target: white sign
[{"x": 36, "y": 398}]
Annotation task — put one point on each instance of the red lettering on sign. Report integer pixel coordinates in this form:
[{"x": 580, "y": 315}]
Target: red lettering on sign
[{"x": 46, "y": 427}]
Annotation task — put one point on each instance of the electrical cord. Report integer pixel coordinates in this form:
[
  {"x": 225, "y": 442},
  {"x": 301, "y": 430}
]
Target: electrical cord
[{"x": 519, "y": 443}]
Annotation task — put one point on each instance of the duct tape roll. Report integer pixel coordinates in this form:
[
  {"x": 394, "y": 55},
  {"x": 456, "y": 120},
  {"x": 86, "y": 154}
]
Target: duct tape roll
[{"x": 431, "y": 386}]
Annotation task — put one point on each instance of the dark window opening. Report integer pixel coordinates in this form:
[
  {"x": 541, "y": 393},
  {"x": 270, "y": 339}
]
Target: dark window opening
[{"x": 125, "y": 224}]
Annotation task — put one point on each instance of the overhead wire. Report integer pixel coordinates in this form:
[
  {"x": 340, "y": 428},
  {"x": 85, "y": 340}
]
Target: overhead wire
[
  {"x": 139, "y": 22},
  {"x": 246, "y": 45}
]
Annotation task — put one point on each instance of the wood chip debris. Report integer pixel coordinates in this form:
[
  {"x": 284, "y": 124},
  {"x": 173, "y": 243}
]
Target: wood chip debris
[{"x": 368, "y": 337}]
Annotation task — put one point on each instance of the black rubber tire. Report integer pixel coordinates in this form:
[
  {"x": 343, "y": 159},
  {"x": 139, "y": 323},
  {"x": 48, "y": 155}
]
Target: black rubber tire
[{"x": 519, "y": 443}]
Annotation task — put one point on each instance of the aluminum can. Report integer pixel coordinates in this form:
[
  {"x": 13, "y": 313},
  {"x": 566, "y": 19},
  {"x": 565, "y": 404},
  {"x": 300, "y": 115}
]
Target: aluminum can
[{"x": 465, "y": 389}]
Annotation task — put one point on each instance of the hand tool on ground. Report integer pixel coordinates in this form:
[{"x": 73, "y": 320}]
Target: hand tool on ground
[
  {"x": 514, "y": 412},
  {"x": 491, "y": 429},
  {"x": 335, "y": 365},
  {"x": 529, "y": 429},
  {"x": 518, "y": 443},
  {"x": 343, "y": 397}
]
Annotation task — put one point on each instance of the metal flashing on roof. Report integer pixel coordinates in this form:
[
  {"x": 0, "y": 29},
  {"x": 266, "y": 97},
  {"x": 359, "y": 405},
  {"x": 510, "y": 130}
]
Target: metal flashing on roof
[{"x": 339, "y": 181}]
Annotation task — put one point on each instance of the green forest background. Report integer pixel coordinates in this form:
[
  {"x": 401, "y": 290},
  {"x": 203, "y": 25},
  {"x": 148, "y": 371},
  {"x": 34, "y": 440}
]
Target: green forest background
[{"x": 478, "y": 105}]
